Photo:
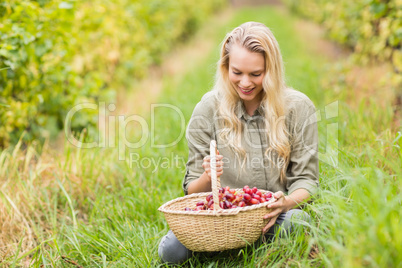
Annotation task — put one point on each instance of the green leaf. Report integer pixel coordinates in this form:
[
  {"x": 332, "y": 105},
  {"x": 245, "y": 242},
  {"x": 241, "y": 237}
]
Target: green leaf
[
  {"x": 378, "y": 9},
  {"x": 5, "y": 105}
]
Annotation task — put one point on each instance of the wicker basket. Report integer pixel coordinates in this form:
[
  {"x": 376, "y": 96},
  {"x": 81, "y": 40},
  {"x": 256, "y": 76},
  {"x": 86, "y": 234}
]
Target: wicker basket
[{"x": 218, "y": 229}]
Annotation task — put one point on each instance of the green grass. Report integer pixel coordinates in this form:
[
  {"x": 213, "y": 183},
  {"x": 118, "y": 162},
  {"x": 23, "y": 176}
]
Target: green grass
[{"x": 90, "y": 208}]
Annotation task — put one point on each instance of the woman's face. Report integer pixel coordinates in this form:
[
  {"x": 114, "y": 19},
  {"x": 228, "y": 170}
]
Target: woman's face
[{"x": 246, "y": 72}]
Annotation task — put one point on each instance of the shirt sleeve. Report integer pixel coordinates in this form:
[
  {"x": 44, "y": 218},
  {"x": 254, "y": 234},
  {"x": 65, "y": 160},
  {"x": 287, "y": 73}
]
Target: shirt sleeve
[
  {"x": 199, "y": 133},
  {"x": 303, "y": 170}
]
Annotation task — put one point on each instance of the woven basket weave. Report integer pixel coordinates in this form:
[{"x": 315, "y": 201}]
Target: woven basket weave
[{"x": 218, "y": 229}]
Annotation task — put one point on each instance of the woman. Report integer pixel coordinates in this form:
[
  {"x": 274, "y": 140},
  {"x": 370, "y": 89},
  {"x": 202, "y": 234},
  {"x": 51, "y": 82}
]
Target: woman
[{"x": 266, "y": 132}]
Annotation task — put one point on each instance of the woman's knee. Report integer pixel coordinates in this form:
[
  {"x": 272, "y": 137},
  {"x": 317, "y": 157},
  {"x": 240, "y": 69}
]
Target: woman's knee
[
  {"x": 288, "y": 223},
  {"x": 298, "y": 214},
  {"x": 294, "y": 219},
  {"x": 172, "y": 251}
]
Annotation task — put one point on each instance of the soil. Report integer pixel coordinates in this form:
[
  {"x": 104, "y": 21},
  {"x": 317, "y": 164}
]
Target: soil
[
  {"x": 182, "y": 58},
  {"x": 366, "y": 82},
  {"x": 242, "y": 3}
]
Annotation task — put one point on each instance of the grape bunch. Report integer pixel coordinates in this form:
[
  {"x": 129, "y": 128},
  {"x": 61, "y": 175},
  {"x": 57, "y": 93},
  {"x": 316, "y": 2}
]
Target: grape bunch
[{"x": 231, "y": 198}]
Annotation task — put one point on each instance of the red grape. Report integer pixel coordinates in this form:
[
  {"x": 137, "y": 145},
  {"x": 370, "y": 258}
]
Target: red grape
[
  {"x": 200, "y": 203},
  {"x": 256, "y": 196},
  {"x": 247, "y": 197},
  {"x": 242, "y": 204},
  {"x": 254, "y": 201},
  {"x": 209, "y": 197},
  {"x": 229, "y": 196}
]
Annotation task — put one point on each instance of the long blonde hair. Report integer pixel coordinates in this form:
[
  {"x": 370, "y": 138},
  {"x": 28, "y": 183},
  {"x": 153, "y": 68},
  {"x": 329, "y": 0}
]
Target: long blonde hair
[{"x": 255, "y": 37}]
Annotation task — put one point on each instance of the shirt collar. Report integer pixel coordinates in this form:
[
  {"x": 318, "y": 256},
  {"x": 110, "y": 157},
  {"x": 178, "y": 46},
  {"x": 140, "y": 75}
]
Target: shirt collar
[{"x": 242, "y": 113}]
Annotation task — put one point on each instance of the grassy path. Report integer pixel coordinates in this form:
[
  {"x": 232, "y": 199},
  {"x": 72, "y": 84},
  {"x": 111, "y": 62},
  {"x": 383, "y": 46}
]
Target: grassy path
[{"x": 93, "y": 209}]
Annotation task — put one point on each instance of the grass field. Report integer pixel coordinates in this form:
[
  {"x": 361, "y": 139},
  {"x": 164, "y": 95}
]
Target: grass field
[{"x": 86, "y": 207}]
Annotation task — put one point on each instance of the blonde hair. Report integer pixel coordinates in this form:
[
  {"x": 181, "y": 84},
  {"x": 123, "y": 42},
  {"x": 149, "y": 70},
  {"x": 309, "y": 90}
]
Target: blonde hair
[{"x": 255, "y": 37}]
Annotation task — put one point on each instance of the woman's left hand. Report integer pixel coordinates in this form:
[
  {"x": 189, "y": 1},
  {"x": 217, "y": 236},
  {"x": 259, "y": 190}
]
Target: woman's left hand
[{"x": 277, "y": 207}]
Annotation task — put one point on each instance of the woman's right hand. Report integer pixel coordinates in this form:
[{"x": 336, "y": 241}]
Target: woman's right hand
[
  {"x": 207, "y": 165},
  {"x": 203, "y": 183}
]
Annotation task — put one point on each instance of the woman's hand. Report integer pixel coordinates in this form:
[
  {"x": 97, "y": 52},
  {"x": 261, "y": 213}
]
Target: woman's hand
[
  {"x": 203, "y": 183},
  {"x": 206, "y": 164},
  {"x": 278, "y": 207},
  {"x": 283, "y": 204}
]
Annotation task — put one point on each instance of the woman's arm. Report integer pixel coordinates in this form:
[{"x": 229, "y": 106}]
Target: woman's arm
[
  {"x": 202, "y": 184},
  {"x": 302, "y": 174},
  {"x": 200, "y": 132},
  {"x": 294, "y": 199}
]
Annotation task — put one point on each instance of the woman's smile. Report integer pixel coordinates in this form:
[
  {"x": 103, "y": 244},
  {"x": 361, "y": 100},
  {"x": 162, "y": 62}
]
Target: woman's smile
[
  {"x": 246, "y": 72},
  {"x": 246, "y": 90}
]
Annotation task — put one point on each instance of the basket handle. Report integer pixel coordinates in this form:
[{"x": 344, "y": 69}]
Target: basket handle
[{"x": 215, "y": 181}]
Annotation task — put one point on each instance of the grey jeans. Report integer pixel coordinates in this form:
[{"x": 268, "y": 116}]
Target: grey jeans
[{"x": 172, "y": 251}]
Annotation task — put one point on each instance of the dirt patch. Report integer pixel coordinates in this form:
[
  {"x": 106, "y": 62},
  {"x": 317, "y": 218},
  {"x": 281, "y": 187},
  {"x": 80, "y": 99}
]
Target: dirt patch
[
  {"x": 242, "y": 3},
  {"x": 370, "y": 82},
  {"x": 183, "y": 58},
  {"x": 363, "y": 83},
  {"x": 316, "y": 36}
]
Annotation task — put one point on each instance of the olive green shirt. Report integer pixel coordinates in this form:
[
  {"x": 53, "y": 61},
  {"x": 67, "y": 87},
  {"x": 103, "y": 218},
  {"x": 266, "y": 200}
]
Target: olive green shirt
[{"x": 257, "y": 171}]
